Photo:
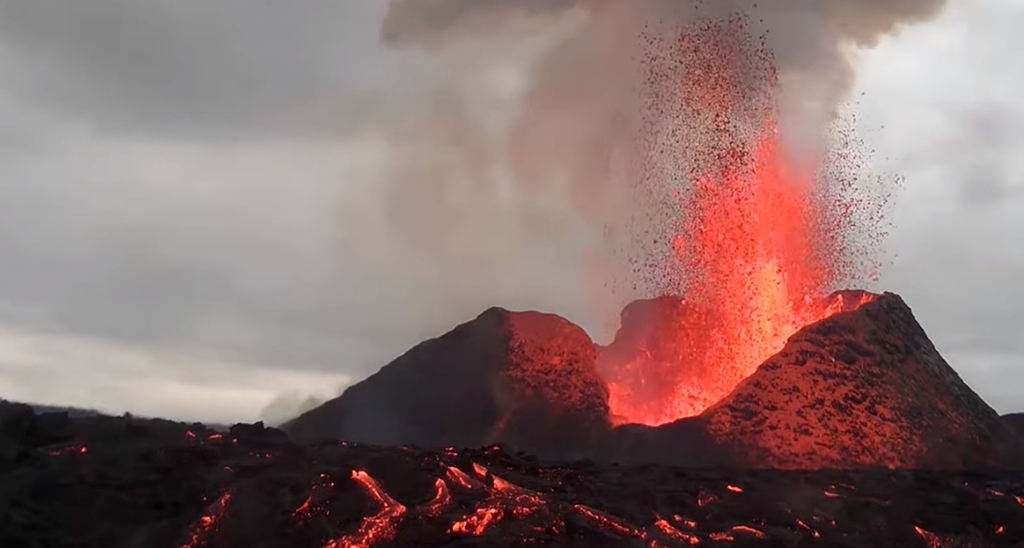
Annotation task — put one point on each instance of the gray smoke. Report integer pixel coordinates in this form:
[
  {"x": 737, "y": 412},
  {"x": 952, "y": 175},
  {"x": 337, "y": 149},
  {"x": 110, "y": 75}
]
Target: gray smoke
[{"x": 530, "y": 141}]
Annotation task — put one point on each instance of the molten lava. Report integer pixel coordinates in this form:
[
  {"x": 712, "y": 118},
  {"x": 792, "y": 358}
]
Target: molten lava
[
  {"x": 378, "y": 527},
  {"x": 754, "y": 247},
  {"x": 203, "y": 526}
]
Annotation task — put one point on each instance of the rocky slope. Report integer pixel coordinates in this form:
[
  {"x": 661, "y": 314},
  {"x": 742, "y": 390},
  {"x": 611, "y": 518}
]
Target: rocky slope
[
  {"x": 523, "y": 378},
  {"x": 861, "y": 388}
]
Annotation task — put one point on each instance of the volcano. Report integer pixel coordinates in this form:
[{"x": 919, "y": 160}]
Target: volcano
[
  {"x": 745, "y": 406},
  {"x": 863, "y": 387},
  {"x": 855, "y": 433}
]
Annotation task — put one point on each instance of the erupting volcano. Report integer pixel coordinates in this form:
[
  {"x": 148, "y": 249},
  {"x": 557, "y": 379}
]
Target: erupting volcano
[
  {"x": 723, "y": 365},
  {"x": 748, "y": 398},
  {"x": 757, "y": 242}
]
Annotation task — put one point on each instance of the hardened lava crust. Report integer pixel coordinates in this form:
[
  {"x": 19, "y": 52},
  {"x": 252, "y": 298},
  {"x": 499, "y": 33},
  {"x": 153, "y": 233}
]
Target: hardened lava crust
[{"x": 123, "y": 481}]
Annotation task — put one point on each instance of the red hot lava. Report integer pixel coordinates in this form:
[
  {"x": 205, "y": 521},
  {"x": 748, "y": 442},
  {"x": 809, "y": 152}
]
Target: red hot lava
[
  {"x": 378, "y": 527},
  {"x": 755, "y": 244}
]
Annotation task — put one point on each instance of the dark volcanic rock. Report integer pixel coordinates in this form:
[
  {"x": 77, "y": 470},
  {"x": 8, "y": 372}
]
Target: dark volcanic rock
[
  {"x": 685, "y": 443},
  {"x": 133, "y": 483},
  {"x": 861, "y": 388},
  {"x": 522, "y": 378},
  {"x": 1015, "y": 421},
  {"x": 22, "y": 430}
]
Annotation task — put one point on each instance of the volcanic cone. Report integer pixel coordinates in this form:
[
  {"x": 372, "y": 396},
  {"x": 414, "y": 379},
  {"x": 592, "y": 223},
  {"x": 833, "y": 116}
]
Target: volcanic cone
[
  {"x": 861, "y": 388},
  {"x": 523, "y": 378}
]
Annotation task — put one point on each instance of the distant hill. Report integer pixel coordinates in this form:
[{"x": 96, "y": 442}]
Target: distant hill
[
  {"x": 81, "y": 413},
  {"x": 73, "y": 412}
]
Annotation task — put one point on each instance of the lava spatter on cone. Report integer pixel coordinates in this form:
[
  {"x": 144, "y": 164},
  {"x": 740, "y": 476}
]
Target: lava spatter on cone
[
  {"x": 861, "y": 388},
  {"x": 658, "y": 367}
]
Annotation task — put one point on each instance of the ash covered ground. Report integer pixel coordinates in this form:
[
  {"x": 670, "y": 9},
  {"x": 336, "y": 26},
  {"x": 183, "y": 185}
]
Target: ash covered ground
[{"x": 857, "y": 433}]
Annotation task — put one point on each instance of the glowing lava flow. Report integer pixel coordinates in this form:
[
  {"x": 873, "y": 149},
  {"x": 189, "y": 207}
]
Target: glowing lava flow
[
  {"x": 506, "y": 499},
  {"x": 756, "y": 245},
  {"x": 480, "y": 502},
  {"x": 375, "y": 528},
  {"x": 201, "y": 529}
]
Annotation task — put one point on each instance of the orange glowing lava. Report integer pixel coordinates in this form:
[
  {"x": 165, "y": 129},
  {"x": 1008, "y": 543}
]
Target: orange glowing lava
[
  {"x": 755, "y": 246},
  {"x": 377, "y": 528},
  {"x": 202, "y": 527}
]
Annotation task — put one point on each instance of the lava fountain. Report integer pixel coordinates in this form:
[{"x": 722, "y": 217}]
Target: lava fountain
[{"x": 754, "y": 242}]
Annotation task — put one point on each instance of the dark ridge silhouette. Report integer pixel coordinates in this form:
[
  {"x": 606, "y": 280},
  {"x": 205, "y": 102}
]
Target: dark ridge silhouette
[
  {"x": 73, "y": 412},
  {"x": 81, "y": 413}
]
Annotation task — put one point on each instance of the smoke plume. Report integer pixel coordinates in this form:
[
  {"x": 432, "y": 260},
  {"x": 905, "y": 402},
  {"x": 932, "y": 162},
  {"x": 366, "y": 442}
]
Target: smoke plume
[{"x": 534, "y": 139}]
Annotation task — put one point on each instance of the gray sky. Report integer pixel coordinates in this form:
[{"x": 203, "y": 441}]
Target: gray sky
[{"x": 190, "y": 220}]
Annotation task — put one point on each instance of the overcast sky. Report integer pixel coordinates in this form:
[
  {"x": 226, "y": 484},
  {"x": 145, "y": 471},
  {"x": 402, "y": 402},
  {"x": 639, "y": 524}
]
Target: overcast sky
[{"x": 186, "y": 202}]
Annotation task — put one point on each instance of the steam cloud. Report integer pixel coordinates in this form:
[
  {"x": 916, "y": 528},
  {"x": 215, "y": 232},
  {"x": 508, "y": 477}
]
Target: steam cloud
[{"x": 530, "y": 139}]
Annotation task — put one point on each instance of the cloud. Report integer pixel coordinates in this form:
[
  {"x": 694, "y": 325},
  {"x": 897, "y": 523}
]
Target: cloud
[
  {"x": 290, "y": 404},
  {"x": 200, "y": 245},
  {"x": 114, "y": 378},
  {"x": 539, "y": 132},
  {"x": 230, "y": 69},
  {"x": 956, "y": 256}
]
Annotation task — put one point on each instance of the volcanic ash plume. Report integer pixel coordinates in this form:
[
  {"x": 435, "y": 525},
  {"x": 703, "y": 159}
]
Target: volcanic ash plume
[
  {"x": 697, "y": 140},
  {"x": 536, "y": 133}
]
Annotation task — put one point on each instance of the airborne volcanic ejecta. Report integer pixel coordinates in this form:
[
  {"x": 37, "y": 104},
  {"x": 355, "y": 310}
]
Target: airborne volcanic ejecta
[
  {"x": 695, "y": 136},
  {"x": 753, "y": 246}
]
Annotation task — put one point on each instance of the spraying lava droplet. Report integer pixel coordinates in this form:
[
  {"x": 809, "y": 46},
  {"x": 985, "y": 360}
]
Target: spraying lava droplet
[{"x": 755, "y": 245}]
